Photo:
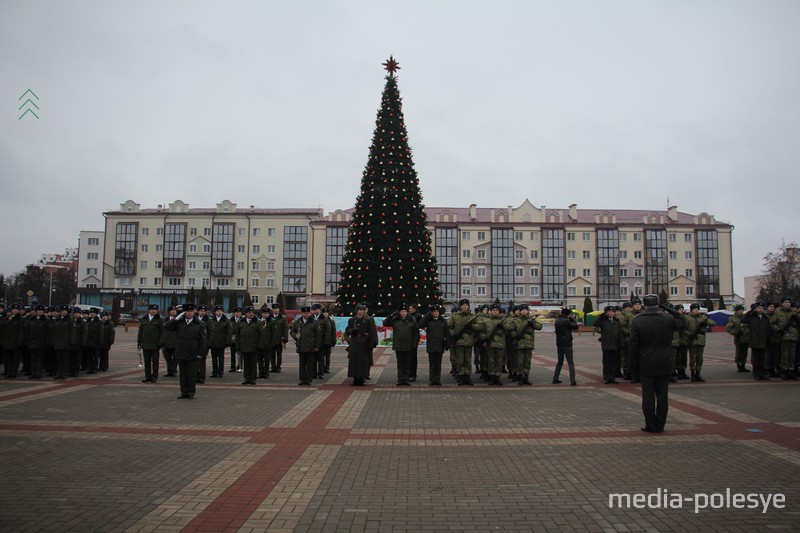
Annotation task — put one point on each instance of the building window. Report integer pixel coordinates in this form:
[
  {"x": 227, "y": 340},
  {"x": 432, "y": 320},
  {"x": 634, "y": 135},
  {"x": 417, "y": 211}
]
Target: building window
[
  {"x": 271, "y": 265},
  {"x": 673, "y": 272},
  {"x": 623, "y": 236},
  {"x": 240, "y": 232},
  {"x": 93, "y": 256},
  {"x": 587, "y": 290},
  {"x": 517, "y": 235},
  {"x": 466, "y": 272},
  {"x": 223, "y": 282},
  {"x": 256, "y": 232},
  {"x": 623, "y": 290},
  {"x": 295, "y": 254},
  {"x": 142, "y": 265},
  {"x": 673, "y": 237},
  {"x": 586, "y": 236},
  {"x": 192, "y": 265},
  {"x": 191, "y": 282},
  {"x": 270, "y": 232},
  {"x": 193, "y": 232},
  {"x": 270, "y": 282},
  {"x": 240, "y": 282},
  {"x": 519, "y": 254},
  {"x": 688, "y": 255},
  {"x": 587, "y": 254},
  {"x": 239, "y": 265},
  {"x": 707, "y": 248},
  {"x": 608, "y": 271},
  {"x": 534, "y": 291},
  {"x": 256, "y": 249},
  {"x": 125, "y": 249},
  {"x": 571, "y": 272},
  {"x": 689, "y": 291},
  {"x": 145, "y": 232},
  {"x": 91, "y": 271},
  {"x": 534, "y": 254},
  {"x": 465, "y": 254},
  {"x": 637, "y": 236},
  {"x": 142, "y": 281},
  {"x": 519, "y": 290},
  {"x": 206, "y": 265},
  {"x": 637, "y": 289},
  {"x": 689, "y": 272},
  {"x": 553, "y": 268},
  {"x": 587, "y": 272},
  {"x": 240, "y": 248},
  {"x": 481, "y": 235},
  {"x": 533, "y": 236},
  {"x": 623, "y": 272},
  {"x": 673, "y": 290},
  {"x": 534, "y": 272},
  {"x": 254, "y": 282},
  {"x": 270, "y": 248},
  {"x": 174, "y": 250},
  {"x": 481, "y": 254},
  {"x": 255, "y": 265},
  {"x": 175, "y": 282},
  {"x": 637, "y": 272},
  {"x": 572, "y": 290},
  {"x": 502, "y": 264},
  {"x": 673, "y": 255},
  {"x": 192, "y": 248},
  {"x": 571, "y": 254},
  {"x": 93, "y": 241},
  {"x": 222, "y": 250},
  {"x": 269, "y": 299},
  {"x": 481, "y": 290},
  {"x": 637, "y": 254},
  {"x": 481, "y": 271},
  {"x": 159, "y": 247},
  {"x": 254, "y": 298},
  {"x": 206, "y": 232},
  {"x": 466, "y": 290},
  {"x": 205, "y": 282},
  {"x": 623, "y": 254},
  {"x": 519, "y": 272},
  {"x": 447, "y": 259},
  {"x": 156, "y": 281},
  {"x": 207, "y": 248},
  {"x": 656, "y": 261},
  {"x": 144, "y": 248},
  {"x": 465, "y": 235},
  {"x": 570, "y": 236},
  {"x": 687, "y": 237}
]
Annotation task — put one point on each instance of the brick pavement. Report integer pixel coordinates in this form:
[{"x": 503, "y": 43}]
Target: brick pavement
[{"x": 108, "y": 453}]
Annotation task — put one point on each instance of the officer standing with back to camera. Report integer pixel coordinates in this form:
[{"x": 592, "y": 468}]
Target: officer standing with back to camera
[
  {"x": 652, "y": 356},
  {"x": 190, "y": 345}
]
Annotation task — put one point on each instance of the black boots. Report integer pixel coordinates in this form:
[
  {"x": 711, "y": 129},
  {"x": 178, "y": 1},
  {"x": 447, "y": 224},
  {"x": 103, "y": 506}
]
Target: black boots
[
  {"x": 696, "y": 376},
  {"x": 525, "y": 380}
]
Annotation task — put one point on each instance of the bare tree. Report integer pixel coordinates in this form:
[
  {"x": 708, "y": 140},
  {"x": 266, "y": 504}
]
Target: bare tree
[{"x": 781, "y": 274}]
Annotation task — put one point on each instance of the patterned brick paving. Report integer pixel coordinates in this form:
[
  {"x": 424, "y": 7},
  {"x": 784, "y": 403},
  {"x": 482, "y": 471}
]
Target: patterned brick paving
[{"x": 108, "y": 453}]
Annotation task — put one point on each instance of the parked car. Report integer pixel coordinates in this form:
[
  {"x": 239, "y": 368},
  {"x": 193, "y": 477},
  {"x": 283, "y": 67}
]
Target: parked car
[{"x": 126, "y": 318}]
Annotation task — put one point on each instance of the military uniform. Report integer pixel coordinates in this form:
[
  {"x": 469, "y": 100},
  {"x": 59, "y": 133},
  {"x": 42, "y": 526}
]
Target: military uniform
[
  {"x": 190, "y": 345},
  {"x": 219, "y": 336},
  {"x": 493, "y": 338},
  {"x": 37, "y": 332},
  {"x": 235, "y": 319},
  {"x": 202, "y": 315},
  {"x": 148, "y": 339},
  {"x": 610, "y": 331},
  {"x": 759, "y": 332},
  {"x": 280, "y": 336},
  {"x": 168, "y": 338},
  {"x": 405, "y": 337},
  {"x": 330, "y": 342},
  {"x": 76, "y": 350},
  {"x": 325, "y": 331},
  {"x": 786, "y": 324},
  {"x": 13, "y": 340},
  {"x": 91, "y": 345},
  {"x": 463, "y": 327},
  {"x": 696, "y": 325},
  {"x": 680, "y": 349},
  {"x": 358, "y": 335},
  {"x": 264, "y": 344},
  {"x": 738, "y": 329},
  {"x": 108, "y": 336},
  {"x": 63, "y": 333},
  {"x": 308, "y": 336},
  {"x": 248, "y": 335},
  {"x": 437, "y": 341},
  {"x": 565, "y": 325},
  {"x": 523, "y": 342}
]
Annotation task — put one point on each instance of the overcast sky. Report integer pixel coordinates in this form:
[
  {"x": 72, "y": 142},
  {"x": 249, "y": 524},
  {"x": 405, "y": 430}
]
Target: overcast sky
[{"x": 607, "y": 104}]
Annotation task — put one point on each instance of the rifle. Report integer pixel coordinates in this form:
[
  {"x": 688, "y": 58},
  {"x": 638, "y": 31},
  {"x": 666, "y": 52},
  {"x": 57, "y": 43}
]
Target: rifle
[
  {"x": 521, "y": 334},
  {"x": 498, "y": 328},
  {"x": 460, "y": 333},
  {"x": 700, "y": 327}
]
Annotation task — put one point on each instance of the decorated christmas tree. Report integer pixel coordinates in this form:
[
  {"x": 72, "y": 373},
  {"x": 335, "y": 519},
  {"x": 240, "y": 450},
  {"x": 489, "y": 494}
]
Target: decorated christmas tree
[{"x": 388, "y": 259}]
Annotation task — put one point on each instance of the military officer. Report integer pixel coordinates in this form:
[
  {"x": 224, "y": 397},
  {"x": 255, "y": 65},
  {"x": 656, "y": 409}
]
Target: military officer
[
  {"x": 610, "y": 331},
  {"x": 148, "y": 339},
  {"x": 280, "y": 336},
  {"x": 405, "y": 336},
  {"x": 493, "y": 338},
  {"x": 248, "y": 334},
  {"x": 463, "y": 328},
  {"x": 522, "y": 336},
  {"x": 308, "y": 336},
  {"x": 108, "y": 335},
  {"x": 759, "y": 332},
  {"x": 13, "y": 341},
  {"x": 235, "y": 319},
  {"x": 785, "y": 324},
  {"x": 190, "y": 345},
  {"x": 738, "y": 329},
  {"x": 264, "y": 343},
  {"x": 564, "y": 326},
  {"x": 91, "y": 344},
  {"x": 325, "y": 331},
  {"x": 76, "y": 349},
  {"x": 358, "y": 334},
  {"x": 437, "y": 342},
  {"x": 168, "y": 339},
  {"x": 413, "y": 312},
  {"x": 680, "y": 348},
  {"x": 37, "y": 331},
  {"x": 329, "y": 343},
  {"x": 219, "y": 336},
  {"x": 63, "y": 333},
  {"x": 202, "y": 315},
  {"x": 696, "y": 325}
]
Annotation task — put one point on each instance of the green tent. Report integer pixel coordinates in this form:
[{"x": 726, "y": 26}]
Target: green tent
[{"x": 591, "y": 317}]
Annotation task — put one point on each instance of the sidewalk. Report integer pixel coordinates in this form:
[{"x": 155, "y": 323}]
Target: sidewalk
[{"x": 106, "y": 452}]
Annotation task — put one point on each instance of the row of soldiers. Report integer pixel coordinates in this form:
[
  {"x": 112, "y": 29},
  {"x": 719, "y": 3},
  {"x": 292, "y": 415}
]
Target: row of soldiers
[
  {"x": 256, "y": 343},
  {"x": 770, "y": 332},
  {"x": 57, "y": 342},
  {"x": 688, "y": 344}
]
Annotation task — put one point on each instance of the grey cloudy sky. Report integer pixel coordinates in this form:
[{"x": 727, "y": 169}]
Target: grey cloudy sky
[{"x": 607, "y": 104}]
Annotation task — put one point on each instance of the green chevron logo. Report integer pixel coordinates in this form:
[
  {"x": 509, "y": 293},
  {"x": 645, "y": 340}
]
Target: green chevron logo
[{"x": 28, "y": 108}]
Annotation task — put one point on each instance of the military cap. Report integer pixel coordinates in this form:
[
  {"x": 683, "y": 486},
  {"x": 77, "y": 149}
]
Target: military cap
[
  {"x": 566, "y": 312},
  {"x": 74, "y": 310},
  {"x": 170, "y": 308},
  {"x": 65, "y": 308},
  {"x": 436, "y": 307},
  {"x": 785, "y": 299},
  {"x": 608, "y": 308},
  {"x": 188, "y": 307},
  {"x": 361, "y": 306},
  {"x": 153, "y": 307},
  {"x": 694, "y": 306},
  {"x": 679, "y": 306},
  {"x": 104, "y": 313},
  {"x": 325, "y": 310},
  {"x": 495, "y": 306},
  {"x": 738, "y": 307},
  {"x": 403, "y": 306},
  {"x": 218, "y": 308},
  {"x": 85, "y": 312},
  {"x": 305, "y": 309},
  {"x": 636, "y": 301},
  {"x": 16, "y": 306},
  {"x": 626, "y": 305},
  {"x": 617, "y": 308},
  {"x": 462, "y": 302},
  {"x": 651, "y": 300},
  {"x": 276, "y": 306},
  {"x": 316, "y": 306},
  {"x": 249, "y": 309},
  {"x": 237, "y": 309},
  {"x": 202, "y": 307},
  {"x": 265, "y": 308},
  {"x": 94, "y": 310},
  {"x": 760, "y": 304},
  {"x": 39, "y": 308}
]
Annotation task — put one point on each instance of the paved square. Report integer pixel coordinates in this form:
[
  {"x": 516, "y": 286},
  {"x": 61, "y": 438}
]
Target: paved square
[{"x": 108, "y": 453}]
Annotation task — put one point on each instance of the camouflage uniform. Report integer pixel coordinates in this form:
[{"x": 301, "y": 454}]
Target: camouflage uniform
[
  {"x": 696, "y": 325},
  {"x": 463, "y": 328},
  {"x": 738, "y": 329},
  {"x": 785, "y": 323},
  {"x": 523, "y": 342}
]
